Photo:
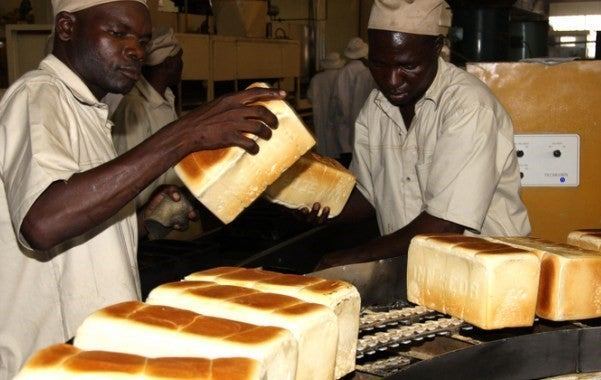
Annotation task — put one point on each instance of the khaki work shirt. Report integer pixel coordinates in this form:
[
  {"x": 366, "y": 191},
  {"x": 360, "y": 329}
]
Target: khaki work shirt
[
  {"x": 51, "y": 127},
  {"x": 456, "y": 161},
  {"x": 140, "y": 114}
]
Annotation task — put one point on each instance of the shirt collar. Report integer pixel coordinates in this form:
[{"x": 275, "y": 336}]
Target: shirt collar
[
  {"x": 74, "y": 83},
  {"x": 152, "y": 96},
  {"x": 392, "y": 111},
  {"x": 434, "y": 92}
]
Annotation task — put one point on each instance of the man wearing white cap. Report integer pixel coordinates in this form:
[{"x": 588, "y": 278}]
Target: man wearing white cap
[
  {"x": 433, "y": 148},
  {"x": 150, "y": 105},
  {"x": 353, "y": 85},
  {"x": 320, "y": 95},
  {"x": 68, "y": 227}
]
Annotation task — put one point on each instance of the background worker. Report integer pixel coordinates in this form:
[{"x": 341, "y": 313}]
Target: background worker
[
  {"x": 353, "y": 85},
  {"x": 320, "y": 94}
]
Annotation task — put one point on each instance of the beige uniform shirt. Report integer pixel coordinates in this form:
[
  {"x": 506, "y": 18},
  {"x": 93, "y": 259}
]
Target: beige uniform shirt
[
  {"x": 456, "y": 161},
  {"x": 51, "y": 127},
  {"x": 140, "y": 114},
  {"x": 320, "y": 94}
]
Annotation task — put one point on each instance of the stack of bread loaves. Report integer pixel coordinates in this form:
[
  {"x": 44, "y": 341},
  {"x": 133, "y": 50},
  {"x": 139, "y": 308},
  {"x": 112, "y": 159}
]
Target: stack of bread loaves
[
  {"x": 160, "y": 331},
  {"x": 65, "y": 362},
  {"x": 497, "y": 282},
  {"x": 228, "y": 180},
  {"x": 264, "y": 326},
  {"x": 339, "y": 296},
  {"x": 489, "y": 285},
  {"x": 570, "y": 281},
  {"x": 314, "y": 326}
]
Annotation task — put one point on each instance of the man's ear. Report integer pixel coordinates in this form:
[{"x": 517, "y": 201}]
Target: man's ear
[
  {"x": 65, "y": 26},
  {"x": 439, "y": 44}
]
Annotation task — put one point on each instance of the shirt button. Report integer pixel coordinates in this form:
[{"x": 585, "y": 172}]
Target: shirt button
[{"x": 408, "y": 179}]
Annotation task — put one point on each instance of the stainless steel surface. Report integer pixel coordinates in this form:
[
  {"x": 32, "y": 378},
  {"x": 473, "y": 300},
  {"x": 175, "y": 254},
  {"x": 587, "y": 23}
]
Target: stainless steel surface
[{"x": 378, "y": 282}]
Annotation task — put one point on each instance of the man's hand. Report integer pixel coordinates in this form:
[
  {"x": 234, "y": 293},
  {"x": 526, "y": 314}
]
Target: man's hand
[
  {"x": 230, "y": 121},
  {"x": 313, "y": 216},
  {"x": 168, "y": 206}
]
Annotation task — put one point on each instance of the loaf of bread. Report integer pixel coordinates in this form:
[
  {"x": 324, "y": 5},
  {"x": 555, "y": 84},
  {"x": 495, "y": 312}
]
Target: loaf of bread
[
  {"x": 160, "y": 331},
  {"x": 314, "y": 326},
  {"x": 487, "y": 284},
  {"x": 228, "y": 180},
  {"x": 341, "y": 297},
  {"x": 586, "y": 239},
  {"x": 313, "y": 179},
  {"x": 65, "y": 362},
  {"x": 570, "y": 279}
]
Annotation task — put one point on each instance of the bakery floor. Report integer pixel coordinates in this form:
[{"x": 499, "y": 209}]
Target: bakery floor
[{"x": 264, "y": 235}]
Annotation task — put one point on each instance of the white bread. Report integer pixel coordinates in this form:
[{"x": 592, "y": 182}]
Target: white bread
[
  {"x": 570, "y": 279},
  {"x": 487, "y": 284},
  {"x": 313, "y": 179},
  {"x": 314, "y": 326},
  {"x": 341, "y": 297},
  {"x": 228, "y": 180},
  {"x": 586, "y": 239},
  {"x": 65, "y": 362},
  {"x": 160, "y": 331}
]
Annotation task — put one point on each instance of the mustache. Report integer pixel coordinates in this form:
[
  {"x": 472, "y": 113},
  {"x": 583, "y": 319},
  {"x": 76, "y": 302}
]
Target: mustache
[
  {"x": 137, "y": 66},
  {"x": 397, "y": 92}
]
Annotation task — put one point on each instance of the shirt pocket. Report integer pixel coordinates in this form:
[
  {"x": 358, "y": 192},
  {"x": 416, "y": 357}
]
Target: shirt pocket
[
  {"x": 423, "y": 173},
  {"x": 411, "y": 188},
  {"x": 422, "y": 168}
]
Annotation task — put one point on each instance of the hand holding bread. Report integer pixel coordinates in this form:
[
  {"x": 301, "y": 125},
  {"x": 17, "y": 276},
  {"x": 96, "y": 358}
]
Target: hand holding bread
[{"x": 229, "y": 120}]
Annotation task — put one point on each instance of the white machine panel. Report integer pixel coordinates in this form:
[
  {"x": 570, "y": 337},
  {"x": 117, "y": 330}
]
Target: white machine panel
[{"x": 551, "y": 160}]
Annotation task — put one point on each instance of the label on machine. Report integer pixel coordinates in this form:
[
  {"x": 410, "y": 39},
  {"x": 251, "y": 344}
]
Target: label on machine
[{"x": 548, "y": 160}]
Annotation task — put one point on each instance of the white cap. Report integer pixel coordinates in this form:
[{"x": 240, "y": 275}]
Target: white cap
[
  {"x": 426, "y": 17},
  {"x": 79, "y": 5},
  {"x": 332, "y": 61},
  {"x": 162, "y": 46},
  {"x": 356, "y": 49}
]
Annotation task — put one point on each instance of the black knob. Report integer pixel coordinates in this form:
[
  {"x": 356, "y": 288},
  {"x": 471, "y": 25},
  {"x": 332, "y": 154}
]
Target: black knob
[
  {"x": 520, "y": 153},
  {"x": 557, "y": 153},
  {"x": 521, "y": 174}
]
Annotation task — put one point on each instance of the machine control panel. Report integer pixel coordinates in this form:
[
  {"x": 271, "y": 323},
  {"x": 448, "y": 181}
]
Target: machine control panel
[{"x": 548, "y": 160}]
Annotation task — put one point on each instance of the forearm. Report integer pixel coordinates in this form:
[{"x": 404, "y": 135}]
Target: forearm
[
  {"x": 392, "y": 245},
  {"x": 67, "y": 209},
  {"x": 398, "y": 242}
]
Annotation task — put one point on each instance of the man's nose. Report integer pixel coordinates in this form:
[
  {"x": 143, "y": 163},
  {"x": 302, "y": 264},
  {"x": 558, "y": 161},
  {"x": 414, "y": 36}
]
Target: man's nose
[
  {"x": 396, "y": 77},
  {"x": 134, "y": 50}
]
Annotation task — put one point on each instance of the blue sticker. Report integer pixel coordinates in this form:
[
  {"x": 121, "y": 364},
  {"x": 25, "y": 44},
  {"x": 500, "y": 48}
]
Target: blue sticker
[{"x": 562, "y": 179}]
